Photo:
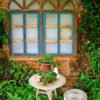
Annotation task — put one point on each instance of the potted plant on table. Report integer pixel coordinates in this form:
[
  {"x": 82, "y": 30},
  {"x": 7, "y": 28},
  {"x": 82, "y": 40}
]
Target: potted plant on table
[
  {"x": 47, "y": 62},
  {"x": 47, "y": 77}
]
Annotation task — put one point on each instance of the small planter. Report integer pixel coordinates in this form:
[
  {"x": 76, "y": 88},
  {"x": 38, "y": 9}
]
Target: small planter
[
  {"x": 47, "y": 62},
  {"x": 45, "y": 67}
]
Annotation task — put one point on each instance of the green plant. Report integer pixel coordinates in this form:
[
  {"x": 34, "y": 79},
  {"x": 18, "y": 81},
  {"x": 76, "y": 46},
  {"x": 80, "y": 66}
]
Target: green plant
[
  {"x": 4, "y": 67},
  {"x": 89, "y": 79},
  {"x": 3, "y": 16},
  {"x": 47, "y": 59},
  {"x": 3, "y": 93},
  {"x": 20, "y": 72},
  {"x": 4, "y": 39},
  {"x": 47, "y": 77}
]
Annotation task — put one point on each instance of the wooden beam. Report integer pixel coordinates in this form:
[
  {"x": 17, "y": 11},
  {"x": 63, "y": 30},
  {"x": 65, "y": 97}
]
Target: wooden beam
[
  {"x": 33, "y": 1},
  {"x": 41, "y": 3},
  {"x": 31, "y": 26},
  {"x": 17, "y": 41},
  {"x": 18, "y": 4},
  {"x": 17, "y": 26},
  {"x": 74, "y": 2},
  {"x": 51, "y": 41},
  {"x": 51, "y": 26},
  {"x": 34, "y": 40},
  {"x": 24, "y": 4},
  {"x": 44, "y": 1},
  {"x": 58, "y": 4},
  {"x": 66, "y": 26},
  {"x": 69, "y": 41},
  {"x": 9, "y": 3},
  {"x": 65, "y": 4},
  {"x": 52, "y": 4}
]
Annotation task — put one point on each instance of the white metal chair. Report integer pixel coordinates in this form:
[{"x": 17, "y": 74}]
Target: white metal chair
[{"x": 75, "y": 94}]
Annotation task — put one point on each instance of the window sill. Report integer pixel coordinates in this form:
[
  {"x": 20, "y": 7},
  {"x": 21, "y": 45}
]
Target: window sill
[{"x": 58, "y": 58}]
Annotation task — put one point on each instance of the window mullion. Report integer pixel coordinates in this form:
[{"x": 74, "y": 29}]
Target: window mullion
[
  {"x": 24, "y": 32},
  {"x": 39, "y": 34},
  {"x": 73, "y": 35},
  {"x": 43, "y": 35},
  {"x": 58, "y": 33}
]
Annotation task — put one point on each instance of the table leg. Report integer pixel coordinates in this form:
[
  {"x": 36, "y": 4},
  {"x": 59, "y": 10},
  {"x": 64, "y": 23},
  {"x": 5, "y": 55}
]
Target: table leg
[
  {"x": 55, "y": 92},
  {"x": 37, "y": 93},
  {"x": 49, "y": 93}
]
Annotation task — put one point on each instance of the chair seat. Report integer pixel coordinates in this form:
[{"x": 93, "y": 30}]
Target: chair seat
[{"x": 75, "y": 94}]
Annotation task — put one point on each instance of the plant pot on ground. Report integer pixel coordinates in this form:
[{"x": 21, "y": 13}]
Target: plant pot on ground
[{"x": 47, "y": 62}]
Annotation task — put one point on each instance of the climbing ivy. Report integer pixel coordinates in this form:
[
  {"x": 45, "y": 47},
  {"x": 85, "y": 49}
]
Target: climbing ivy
[{"x": 90, "y": 27}]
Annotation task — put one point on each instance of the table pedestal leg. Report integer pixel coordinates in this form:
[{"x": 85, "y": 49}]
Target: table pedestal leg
[
  {"x": 55, "y": 92},
  {"x": 49, "y": 93},
  {"x": 37, "y": 93}
]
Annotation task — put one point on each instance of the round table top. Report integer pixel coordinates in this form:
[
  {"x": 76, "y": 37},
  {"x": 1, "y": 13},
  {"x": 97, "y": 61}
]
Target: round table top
[{"x": 51, "y": 86}]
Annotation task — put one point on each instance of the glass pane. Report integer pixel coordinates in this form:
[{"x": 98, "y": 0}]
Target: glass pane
[
  {"x": 17, "y": 19},
  {"x": 35, "y": 6},
  {"x": 51, "y": 19},
  {"x": 66, "y": 19},
  {"x": 65, "y": 47},
  {"x": 51, "y": 33},
  {"x": 51, "y": 48},
  {"x": 31, "y": 19},
  {"x": 17, "y": 34},
  {"x": 66, "y": 34},
  {"x": 18, "y": 47},
  {"x": 32, "y": 47},
  {"x": 48, "y": 6},
  {"x": 31, "y": 33},
  {"x": 13, "y": 6}
]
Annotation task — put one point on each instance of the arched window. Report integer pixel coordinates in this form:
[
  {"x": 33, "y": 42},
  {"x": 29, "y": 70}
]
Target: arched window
[{"x": 39, "y": 27}]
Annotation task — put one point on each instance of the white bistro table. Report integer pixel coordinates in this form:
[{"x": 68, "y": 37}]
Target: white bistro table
[{"x": 49, "y": 88}]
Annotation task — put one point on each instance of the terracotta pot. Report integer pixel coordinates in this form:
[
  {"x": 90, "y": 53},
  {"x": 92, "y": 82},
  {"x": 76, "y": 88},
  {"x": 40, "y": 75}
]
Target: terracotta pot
[{"x": 45, "y": 67}]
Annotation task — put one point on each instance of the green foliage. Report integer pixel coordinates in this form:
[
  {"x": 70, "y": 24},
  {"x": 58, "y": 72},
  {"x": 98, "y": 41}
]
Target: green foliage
[
  {"x": 47, "y": 59},
  {"x": 3, "y": 93},
  {"x": 58, "y": 97},
  {"x": 4, "y": 39},
  {"x": 19, "y": 89},
  {"x": 47, "y": 77},
  {"x": 91, "y": 20},
  {"x": 21, "y": 72},
  {"x": 4, "y": 67},
  {"x": 89, "y": 80},
  {"x": 3, "y": 16},
  {"x": 44, "y": 97}
]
